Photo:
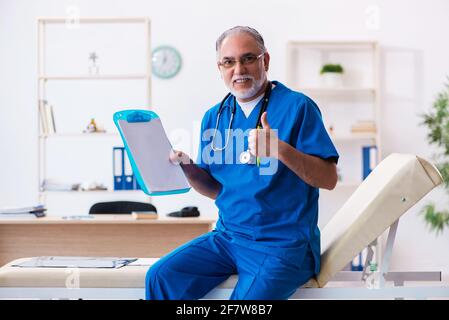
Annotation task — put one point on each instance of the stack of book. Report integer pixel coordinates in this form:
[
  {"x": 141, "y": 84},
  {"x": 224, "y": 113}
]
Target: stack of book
[
  {"x": 46, "y": 114},
  {"x": 19, "y": 212},
  {"x": 144, "y": 215},
  {"x": 55, "y": 185},
  {"x": 364, "y": 127}
]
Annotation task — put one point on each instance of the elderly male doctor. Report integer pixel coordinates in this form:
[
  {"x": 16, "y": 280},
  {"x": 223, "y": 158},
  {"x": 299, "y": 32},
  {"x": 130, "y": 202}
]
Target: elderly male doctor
[{"x": 267, "y": 229}]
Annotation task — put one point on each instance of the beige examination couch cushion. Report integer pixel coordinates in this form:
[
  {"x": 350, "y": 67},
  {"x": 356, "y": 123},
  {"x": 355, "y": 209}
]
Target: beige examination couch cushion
[{"x": 394, "y": 186}]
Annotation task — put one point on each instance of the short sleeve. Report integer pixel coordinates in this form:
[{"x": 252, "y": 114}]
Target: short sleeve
[{"x": 313, "y": 138}]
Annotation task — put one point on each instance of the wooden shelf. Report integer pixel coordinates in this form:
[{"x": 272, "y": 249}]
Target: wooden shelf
[
  {"x": 79, "y": 135},
  {"x": 337, "y": 91},
  {"x": 102, "y": 192},
  {"x": 97, "y": 77},
  {"x": 334, "y": 45},
  {"x": 353, "y": 137},
  {"x": 94, "y": 19}
]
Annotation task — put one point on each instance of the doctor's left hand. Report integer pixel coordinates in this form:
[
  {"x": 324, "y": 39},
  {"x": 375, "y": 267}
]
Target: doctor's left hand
[
  {"x": 178, "y": 157},
  {"x": 263, "y": 142}
]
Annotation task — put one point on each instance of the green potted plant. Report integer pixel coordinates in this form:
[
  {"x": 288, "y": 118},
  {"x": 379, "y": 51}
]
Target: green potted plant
[
  {"x": 331, "y": 75},
  {"x": 437, "y": 122}
]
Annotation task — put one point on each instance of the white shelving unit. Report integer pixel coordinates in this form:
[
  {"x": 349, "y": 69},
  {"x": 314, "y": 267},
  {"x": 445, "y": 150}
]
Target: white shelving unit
[
  {"x": 358, "y": 96},
  {"x": 356, "y": 99},
  {"x": 44, "y": 78}
]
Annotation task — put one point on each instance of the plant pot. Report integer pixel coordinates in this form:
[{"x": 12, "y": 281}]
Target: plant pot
[{"x": 332, "y": 79}]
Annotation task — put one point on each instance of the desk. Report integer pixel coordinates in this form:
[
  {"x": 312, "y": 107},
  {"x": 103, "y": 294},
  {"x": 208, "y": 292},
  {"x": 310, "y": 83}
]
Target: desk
[{"x": 105, "y": 235}]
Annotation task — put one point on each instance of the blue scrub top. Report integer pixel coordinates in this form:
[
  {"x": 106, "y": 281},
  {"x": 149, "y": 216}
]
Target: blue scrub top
[{"x": 274, "y": 213}]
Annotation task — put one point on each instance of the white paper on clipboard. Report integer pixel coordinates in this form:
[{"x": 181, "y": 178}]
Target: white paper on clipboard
[{"x": 150, "y": 148}]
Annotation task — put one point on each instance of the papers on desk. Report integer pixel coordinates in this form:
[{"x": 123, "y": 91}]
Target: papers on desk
[
  {"x": 75, "y": 262},
  {"x": 78, "y": 217}
]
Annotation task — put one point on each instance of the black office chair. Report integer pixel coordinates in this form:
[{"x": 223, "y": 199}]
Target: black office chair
[{"x": 120, "y": 207}]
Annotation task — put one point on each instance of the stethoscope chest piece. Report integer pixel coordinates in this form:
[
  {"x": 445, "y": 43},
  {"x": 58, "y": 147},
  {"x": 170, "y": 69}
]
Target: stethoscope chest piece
[{"x": 246, "y": 157}]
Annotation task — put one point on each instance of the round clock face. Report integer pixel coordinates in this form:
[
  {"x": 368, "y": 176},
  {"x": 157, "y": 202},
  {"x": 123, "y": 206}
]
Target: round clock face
[{"x": 166, "y": 62}]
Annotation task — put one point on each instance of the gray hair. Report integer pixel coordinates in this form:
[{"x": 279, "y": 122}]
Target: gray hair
[{"x": 241, "y": 29}]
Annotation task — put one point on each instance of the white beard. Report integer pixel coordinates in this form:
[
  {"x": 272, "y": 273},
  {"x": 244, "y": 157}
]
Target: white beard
[{"x": 251, "y": 92}]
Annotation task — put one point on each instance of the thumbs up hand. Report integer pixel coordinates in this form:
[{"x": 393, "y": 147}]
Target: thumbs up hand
[
  {"x": 264, "y": 121},
  {"x": 263, "y": 142}
]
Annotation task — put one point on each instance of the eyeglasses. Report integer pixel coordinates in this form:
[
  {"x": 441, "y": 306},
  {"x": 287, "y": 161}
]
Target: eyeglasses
[{"x": 244, "y": 60}]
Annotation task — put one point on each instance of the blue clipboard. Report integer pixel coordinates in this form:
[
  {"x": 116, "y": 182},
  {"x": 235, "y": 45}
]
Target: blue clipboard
[{"x": 148, "y": 150}]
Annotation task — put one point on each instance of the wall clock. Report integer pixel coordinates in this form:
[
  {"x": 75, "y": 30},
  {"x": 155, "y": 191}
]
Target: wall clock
[{"x": 166, "y": 61}]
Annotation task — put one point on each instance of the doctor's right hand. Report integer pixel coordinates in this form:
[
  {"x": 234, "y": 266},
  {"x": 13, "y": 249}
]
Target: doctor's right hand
[{"x": 179, "y": 157}]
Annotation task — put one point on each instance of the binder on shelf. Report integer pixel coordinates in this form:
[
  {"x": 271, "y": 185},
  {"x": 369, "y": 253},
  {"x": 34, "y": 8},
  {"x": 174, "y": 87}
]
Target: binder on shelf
[
  {"x": 358, "y": 262},
  {"x": 128, "y": 172},
  {"x": 136, "y": 185},
  {"x": 369, "y": 158},
  {"x": 124, "y": 177},
  {"x": 118, "y": 168}
]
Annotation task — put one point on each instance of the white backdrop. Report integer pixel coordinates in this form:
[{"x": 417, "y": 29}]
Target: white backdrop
[{"x": 412, "y": 35}]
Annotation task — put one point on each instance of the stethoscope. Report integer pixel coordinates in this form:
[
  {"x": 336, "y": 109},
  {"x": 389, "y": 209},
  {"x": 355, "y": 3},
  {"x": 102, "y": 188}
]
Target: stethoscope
[{"x": 245, "y": 157}]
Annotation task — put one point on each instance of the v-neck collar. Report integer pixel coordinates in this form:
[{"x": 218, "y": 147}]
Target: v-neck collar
[
  {"x": 249, "y": 106},
  {"x": 252, "y": 117},
  {"x": 250, "y": 122}
]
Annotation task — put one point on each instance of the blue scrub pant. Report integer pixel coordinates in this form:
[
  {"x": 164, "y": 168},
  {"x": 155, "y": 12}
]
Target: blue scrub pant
[{"x": 192, "y": 270}]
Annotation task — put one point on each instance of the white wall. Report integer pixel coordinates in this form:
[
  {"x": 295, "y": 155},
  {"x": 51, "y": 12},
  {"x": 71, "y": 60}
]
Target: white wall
[{"x": 414, "y": 66}]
